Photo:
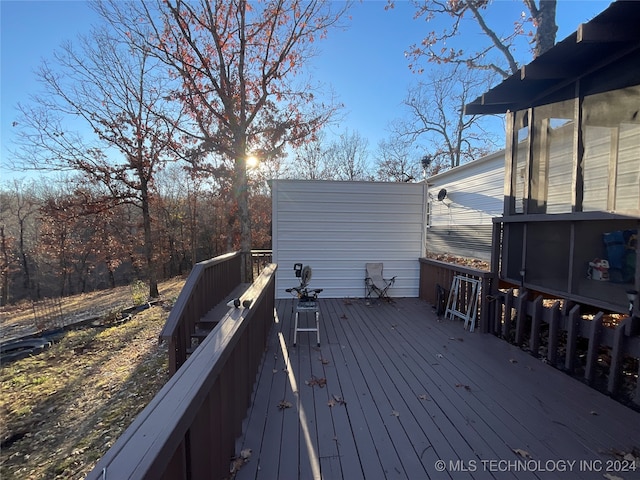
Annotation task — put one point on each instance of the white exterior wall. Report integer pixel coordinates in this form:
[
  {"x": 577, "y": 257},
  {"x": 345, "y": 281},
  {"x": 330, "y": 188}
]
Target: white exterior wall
[
  {"x": 475, "y": 193},
  {"x": 337, "y": 227},
  {"x": 461, "y": 224}
]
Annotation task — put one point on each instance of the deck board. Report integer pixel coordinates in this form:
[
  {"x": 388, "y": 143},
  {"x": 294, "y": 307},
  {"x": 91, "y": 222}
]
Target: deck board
[{"x": 417, "y": 390}]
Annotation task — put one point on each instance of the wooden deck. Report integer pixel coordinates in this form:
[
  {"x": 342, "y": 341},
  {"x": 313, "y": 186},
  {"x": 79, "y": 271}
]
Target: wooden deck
[{"x": 404, "y": 391}]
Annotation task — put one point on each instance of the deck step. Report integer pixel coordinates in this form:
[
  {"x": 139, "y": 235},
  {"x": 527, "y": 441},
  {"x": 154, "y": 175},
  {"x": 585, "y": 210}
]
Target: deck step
[{"x": 206, "y": 324}]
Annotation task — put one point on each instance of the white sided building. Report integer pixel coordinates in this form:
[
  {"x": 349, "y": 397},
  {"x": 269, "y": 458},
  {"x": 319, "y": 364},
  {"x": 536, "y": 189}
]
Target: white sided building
[
  {"x": 336, "y": 227},
  {"x": 462, "y": 203}
]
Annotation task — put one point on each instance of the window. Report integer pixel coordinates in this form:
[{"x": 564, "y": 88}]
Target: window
[
  {"x": 553, "y": 153},
  {"x": 611, "y": 161}
]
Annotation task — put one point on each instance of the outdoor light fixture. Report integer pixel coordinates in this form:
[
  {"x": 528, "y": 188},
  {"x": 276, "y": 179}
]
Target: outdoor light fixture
[
  {"x": 522, "y": 272},
  {"x": 632, "y": 295}
]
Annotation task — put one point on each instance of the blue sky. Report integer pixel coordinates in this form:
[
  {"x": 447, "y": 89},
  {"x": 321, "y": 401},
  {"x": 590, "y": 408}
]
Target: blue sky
[{"x": 365, "y": 65}]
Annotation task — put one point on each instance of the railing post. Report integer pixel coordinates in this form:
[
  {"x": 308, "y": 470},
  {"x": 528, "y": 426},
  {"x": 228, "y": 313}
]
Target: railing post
[
  {"x": 572, "y": 338},
  {"x": 615, "y": 369},
  {"x": 554, "y": 320},
  {"x": 521, "y": 317},
  {"x": 594, "y": 345}
]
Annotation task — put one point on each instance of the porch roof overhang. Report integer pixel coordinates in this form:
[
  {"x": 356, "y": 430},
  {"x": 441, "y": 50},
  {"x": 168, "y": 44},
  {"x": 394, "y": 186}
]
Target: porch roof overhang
[{"x": 601, "y": 42}]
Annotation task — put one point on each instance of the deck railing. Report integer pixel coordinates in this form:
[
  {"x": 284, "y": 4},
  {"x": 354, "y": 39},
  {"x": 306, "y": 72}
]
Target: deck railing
[
  {"x": 189, "y": 428},
  {"x": 434, "y": 273},
  {"x": 207, "y": 285},
  {"x": 260, "y": 259},
  {"x": 598, "y": 348}
]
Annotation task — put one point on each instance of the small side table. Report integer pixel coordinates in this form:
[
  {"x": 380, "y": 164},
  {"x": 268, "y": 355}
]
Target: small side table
[{"x": 307, "y": 306}]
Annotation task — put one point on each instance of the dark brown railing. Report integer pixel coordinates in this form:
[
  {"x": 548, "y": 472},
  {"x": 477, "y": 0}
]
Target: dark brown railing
[
  {"x": 260, "y": 259},
  {"x": 600, "y": 351},
  {"x": 207, "y": 285},
  {"x": 189, "y": 428},
  {"x": 434, "y": 273}
]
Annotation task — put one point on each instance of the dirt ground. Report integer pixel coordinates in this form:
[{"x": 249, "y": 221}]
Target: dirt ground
[
  {"x": 61, "y": 410},
  {"x": 18, "y": 320}
]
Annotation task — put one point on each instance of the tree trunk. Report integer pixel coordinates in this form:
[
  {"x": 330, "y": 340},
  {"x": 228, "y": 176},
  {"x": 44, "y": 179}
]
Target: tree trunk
[
  {"x": 148, "y": 245},
  {"x": 241, "y": 189},
  {"x": 547, "y": 28},
  {"x": 4, "y": 269},
  {"x": 23, "y": 257}
]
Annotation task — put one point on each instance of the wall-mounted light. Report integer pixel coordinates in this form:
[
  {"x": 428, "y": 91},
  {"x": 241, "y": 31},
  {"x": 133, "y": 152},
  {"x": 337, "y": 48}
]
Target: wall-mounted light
[{"x": 522, "y": 273}]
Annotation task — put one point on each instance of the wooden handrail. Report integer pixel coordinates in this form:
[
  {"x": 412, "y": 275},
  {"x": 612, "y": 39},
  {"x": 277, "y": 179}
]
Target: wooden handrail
[
  {"x": 189, "y": 428},
  {"x": 208, "y": 284}
]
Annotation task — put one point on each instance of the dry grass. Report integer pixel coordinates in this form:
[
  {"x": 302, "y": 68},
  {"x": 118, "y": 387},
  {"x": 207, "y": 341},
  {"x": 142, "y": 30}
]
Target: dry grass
[{"x": 62, "y": 410}]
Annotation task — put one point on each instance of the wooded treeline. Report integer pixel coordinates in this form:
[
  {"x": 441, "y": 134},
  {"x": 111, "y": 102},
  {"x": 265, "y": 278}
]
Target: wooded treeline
[{"x": 57, "y": 238}]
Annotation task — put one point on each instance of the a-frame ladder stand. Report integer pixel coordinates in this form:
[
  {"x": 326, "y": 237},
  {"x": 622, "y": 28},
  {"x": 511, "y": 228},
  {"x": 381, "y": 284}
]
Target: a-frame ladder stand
[{"x": 473, "y": 291}]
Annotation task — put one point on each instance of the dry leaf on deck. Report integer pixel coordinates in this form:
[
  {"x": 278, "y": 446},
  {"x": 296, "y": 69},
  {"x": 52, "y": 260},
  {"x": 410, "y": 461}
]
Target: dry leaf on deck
[
  {"x": 313, "y": 381},
  {"x": 522, "y": 453},
  {"x": 324, "y": 361},
  {"x": 424, "y": 396},
  {"x": 240, "y": 460},
  {"x": 395, "y": 413},
  {"x": 466, "y": 387},
  {"x": 608, "y": 476},
  {"x": 284, "y": 404}
]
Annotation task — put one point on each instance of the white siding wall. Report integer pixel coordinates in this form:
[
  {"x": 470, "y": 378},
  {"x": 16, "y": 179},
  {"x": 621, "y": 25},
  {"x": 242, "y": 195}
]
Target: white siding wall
[
  {"x": 475, "y": 192},
  {"x": 462, "y": 223},
  {"x": 337, "y": 227}
]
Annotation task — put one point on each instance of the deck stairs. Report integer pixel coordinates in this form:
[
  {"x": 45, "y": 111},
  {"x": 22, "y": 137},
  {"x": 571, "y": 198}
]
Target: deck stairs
[{"x": 211, "y": 319}]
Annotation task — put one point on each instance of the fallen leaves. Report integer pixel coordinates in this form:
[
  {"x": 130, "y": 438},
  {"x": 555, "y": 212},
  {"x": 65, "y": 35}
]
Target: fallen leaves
[
  {"x": 424, "y": 396},
  {"x": 240, "y": 460},
  {"x": 461, "y": 385},
  {"x": 608, "y": 476},
  {"x": 521, "y": 453},
  {"x": 313, "y": 381},
  {"x": 336, "y": 400},
  {"x": 284, "y": 404}
]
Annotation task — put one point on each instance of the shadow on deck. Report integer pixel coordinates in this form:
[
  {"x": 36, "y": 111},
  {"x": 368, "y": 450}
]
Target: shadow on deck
[{"x": 392, "y": 391}]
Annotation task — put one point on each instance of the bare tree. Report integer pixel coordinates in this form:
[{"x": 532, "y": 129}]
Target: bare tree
[
  {"x": 22, "y": 205},
  {"x": 498, "y": 50},
  {"x": 348, "y": 157},
  {"x": 120, "y": 94},
  {"x": 436, "y": 118},
  {"x": 310, "y": 161},
  {"x": 237, "y": 63},
  {"x": 395, "y": 162}
]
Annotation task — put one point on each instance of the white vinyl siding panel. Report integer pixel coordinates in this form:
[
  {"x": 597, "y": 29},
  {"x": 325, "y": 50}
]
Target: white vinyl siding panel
[
  {"x": 337, "y": 227},
  {"x": 461, "y": 224}
]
